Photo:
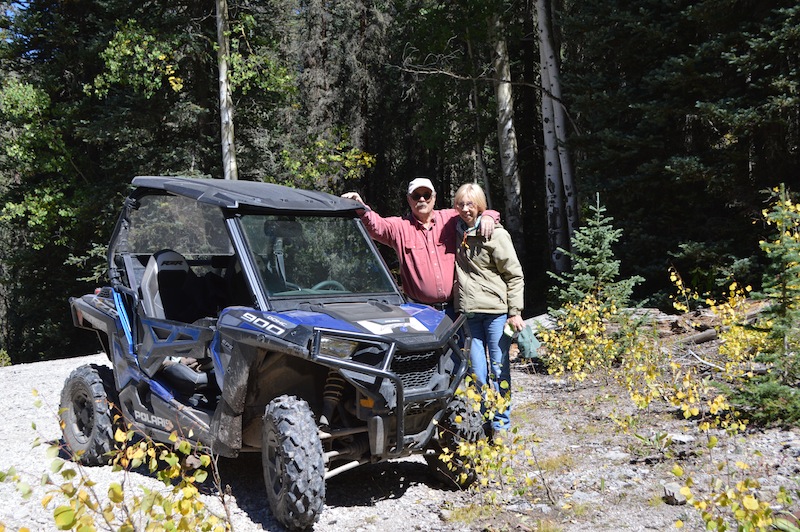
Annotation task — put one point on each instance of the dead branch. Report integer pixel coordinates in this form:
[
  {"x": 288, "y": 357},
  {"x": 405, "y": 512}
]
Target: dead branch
[{"x": 706, "y": 362}]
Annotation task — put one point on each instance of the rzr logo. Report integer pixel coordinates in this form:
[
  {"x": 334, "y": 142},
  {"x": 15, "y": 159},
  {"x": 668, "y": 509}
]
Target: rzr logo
[{"x": 152, "y": 419}]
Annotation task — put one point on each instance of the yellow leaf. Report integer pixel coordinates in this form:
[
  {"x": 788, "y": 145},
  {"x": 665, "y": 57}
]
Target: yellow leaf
[
  {"x": 677, "y": 470},
  {"x": 64, "y": 517},
  {"x": 115, "y": 493},
  {"x": 46, "y": 500},
  {"x": 750, "y": 503},
  {"x": 678, "y": 524},
  {"x": 56, "y": 465}
]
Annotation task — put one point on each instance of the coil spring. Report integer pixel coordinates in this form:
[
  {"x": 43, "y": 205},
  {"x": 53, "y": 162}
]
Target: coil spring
[{"x": 334, "y": 387}]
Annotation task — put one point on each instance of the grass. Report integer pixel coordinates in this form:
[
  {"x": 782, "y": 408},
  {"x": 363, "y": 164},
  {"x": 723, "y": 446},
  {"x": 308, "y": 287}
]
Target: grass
[
  {"x": 558, "y": 462},
  {"x": 546, "y": 525},
  {"x": 525, "y": 413},
  {"x": 473, "y": 513}
]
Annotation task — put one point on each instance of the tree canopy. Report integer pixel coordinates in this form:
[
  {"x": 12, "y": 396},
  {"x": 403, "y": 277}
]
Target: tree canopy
[{"x": 679, "y": 115}]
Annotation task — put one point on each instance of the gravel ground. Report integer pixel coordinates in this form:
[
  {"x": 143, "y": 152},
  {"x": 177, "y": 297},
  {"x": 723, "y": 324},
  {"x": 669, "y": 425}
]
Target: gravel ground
[
  {"x": 399, "y": 495},
  {"x": 595, "y": 477}
]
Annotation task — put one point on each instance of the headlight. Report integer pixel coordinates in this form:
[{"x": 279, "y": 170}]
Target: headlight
[{"x": 337, "y": 347}]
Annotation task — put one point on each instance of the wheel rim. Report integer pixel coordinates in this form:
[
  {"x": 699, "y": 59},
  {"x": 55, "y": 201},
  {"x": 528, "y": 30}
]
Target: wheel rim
[
  {"x": 82, "y": 415},
  {"x": 274, "y": 464}
]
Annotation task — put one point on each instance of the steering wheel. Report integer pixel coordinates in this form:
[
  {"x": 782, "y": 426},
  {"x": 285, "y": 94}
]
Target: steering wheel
[{"x": 329, "y": 284}]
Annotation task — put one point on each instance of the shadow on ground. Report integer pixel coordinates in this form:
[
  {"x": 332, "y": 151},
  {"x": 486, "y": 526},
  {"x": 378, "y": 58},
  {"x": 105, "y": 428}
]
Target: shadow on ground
[{"x": 362, "y": 486}]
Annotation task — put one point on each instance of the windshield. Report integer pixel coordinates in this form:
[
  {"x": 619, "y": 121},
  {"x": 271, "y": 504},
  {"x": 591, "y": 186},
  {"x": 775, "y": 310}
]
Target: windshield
[{"x": 300, "y": 256}]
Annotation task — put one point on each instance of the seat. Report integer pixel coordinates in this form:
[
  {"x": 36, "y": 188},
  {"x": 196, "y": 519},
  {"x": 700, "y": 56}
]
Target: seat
[
  {"x": 162, "y": 286},
  {"x": 166, "y": 288},
  {"x": 238, "y": 290},
  {"x": 184, "y": 380}
]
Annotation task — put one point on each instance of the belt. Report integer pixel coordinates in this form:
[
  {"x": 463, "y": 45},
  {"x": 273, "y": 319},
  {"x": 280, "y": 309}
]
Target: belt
[{"x": 437, "y": 306}]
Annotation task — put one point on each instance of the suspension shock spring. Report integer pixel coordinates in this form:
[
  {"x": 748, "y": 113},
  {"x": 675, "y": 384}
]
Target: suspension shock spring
[{"x": 334, "y": 388}]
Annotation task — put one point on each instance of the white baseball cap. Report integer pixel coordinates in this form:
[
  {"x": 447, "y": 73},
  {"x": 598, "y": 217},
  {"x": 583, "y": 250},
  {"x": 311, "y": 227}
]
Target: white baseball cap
[{"x": 420, "y": 182}]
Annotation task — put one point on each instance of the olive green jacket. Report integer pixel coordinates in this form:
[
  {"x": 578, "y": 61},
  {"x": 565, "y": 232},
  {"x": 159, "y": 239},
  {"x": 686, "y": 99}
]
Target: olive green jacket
[{"x": 488, "y": 273}]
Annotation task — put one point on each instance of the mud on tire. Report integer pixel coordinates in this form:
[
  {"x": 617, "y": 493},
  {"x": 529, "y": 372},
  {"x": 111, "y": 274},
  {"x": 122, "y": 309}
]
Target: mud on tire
[
  {"x": 86, "y": 416},
  {"x": 460, "y": 423},
  {"x": 294, "y": 468}
]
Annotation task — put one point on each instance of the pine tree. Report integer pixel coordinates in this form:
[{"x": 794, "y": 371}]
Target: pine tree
[
  {"x": 594, "y": 266},
  {"x": 772, "y": 397},
  {"x": 781, "y": 281}
]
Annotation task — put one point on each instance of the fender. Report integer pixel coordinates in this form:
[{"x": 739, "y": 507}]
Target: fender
[{"x": 94, "y": 313}]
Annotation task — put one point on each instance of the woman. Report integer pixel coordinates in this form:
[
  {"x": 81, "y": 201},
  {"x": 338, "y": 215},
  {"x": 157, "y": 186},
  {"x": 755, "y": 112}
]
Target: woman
[{"x": 489, "y": 290}]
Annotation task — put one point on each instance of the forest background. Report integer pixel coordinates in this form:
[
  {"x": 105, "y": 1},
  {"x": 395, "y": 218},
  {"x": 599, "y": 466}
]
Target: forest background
[{"x": 677, "y": 115}]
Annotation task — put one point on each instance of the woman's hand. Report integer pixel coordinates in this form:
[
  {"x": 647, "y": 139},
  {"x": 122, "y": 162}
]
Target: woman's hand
[{"x": 516, "y": 322}]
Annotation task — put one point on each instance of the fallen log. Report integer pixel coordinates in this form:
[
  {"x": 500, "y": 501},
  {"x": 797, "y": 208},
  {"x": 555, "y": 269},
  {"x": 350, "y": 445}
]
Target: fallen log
[{"x": 699, "y": 338}]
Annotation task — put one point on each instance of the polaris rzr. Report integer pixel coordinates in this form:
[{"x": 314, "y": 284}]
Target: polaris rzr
[{"x": 254, "y": 317}]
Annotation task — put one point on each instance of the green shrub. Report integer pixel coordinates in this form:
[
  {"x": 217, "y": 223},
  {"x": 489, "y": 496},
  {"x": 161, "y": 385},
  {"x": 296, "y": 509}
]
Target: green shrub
[
  {"x": 595, "y": 269},
  {"x": 768, "y": 402}
]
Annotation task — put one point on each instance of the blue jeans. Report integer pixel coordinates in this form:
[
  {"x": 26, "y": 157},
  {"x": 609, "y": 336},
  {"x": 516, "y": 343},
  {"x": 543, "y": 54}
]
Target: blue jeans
[{"x": 487, "y": 332}]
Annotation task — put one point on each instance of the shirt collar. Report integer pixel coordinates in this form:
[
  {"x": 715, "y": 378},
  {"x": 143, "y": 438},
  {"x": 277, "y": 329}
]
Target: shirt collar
[
  {"x": 469, "y": 231},
  {"x": 419, "y": 224}
]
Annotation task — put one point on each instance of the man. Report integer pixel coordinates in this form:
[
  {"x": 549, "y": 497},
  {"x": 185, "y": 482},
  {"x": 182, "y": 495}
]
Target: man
[{"x": 425, "y": 243}]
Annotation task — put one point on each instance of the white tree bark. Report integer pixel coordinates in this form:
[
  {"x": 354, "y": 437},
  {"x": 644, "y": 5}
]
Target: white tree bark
[
  {"x": 560, "y": 128},
  {"x": 507, "y": 137},
  {"x": 561, "y": 200},
  {"x": 229, "y": 167},
  {"x": 479, "y": 163}
]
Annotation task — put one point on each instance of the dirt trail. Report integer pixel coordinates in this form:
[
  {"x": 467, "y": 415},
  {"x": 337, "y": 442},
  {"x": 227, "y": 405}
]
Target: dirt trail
[{"x": 588, "y": 474}]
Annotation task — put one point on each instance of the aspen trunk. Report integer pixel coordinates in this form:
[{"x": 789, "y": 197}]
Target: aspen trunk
[
  {"x": 479, "y": 164},
  {"x": 559, "y": 126},
  {"x": 558, "y": 171},
  {"x": 507, "y": 137},
  {"x": 229, "y": 167}
]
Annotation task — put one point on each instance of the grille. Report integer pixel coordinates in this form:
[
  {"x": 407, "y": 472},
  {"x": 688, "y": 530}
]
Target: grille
[{"x": 415, "y": 369}]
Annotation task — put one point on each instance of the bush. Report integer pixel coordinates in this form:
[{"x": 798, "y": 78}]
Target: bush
[
  {"x": 768, "y": 402},
  {"x": 78, "y": 505}
]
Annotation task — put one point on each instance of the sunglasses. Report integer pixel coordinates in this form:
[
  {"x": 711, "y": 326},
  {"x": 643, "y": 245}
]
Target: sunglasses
[{"x": 416, "y": 196}]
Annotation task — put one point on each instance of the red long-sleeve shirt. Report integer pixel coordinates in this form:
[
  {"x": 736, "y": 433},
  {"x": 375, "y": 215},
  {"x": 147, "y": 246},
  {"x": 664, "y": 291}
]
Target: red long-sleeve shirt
[{"x": 427, "y": 256}]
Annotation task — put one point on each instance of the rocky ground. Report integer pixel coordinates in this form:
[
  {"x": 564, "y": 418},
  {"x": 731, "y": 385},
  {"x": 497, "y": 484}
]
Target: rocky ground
[{"x": 587, "y": 474}]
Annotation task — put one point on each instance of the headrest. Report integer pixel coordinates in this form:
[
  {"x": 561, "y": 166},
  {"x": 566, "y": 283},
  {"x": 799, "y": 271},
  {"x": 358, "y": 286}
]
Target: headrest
[{"x": 168, "y": 260}]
